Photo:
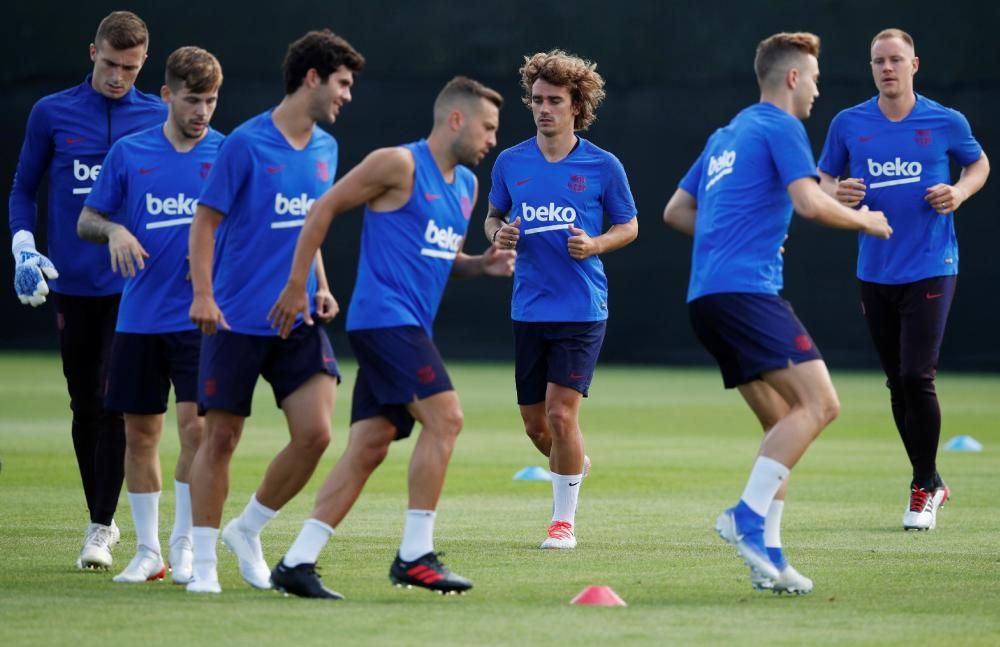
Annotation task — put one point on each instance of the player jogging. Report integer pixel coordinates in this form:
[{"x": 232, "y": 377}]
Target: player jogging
[
  {"x": 896, "y": 149},
  {"x": 268, "y": 173},
  {"x": 736, "y": 200},
  {"x": 548, "y": 200},
  {"x": 419, "y": 198},
  {"x": 156, "y": 175}
]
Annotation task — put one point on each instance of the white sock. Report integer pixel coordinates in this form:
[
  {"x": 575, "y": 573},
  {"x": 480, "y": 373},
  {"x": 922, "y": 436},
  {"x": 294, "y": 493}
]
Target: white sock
[
  {"x": 772, "y": 524},
  {"x": 418, "y": 534},
  {"x": 256, "y": 515},
  {"x": 565, "y": 494},
  {"x": 766, "y": 477},
  {"x": 308, "y": 545},
  {"x": 146, "y": 515},
  {"x": 203, "y": 539},
  {"x": 182, "y": 512}
]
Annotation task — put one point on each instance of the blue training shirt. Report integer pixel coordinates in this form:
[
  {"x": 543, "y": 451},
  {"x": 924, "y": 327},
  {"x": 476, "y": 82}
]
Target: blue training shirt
[
  {"x": 158, "y": 187},
  {"x": 899, "y": 161},
  {"x": 407, "y": 254},
  {"x": 68, "y": 134},
  {"x": 264, "y": 187},
  {"x": 549, "y": 197},
  {"x": 740, "y": 181}
]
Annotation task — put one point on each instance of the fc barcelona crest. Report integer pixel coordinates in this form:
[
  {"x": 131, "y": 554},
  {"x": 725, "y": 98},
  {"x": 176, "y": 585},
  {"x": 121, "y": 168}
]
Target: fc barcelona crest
[
  {"x": 322, "y": 171},
  {"x": 923, "y": 136},
  {"x": 578, "y": 183},
  {"x": 205, "y": 168}
]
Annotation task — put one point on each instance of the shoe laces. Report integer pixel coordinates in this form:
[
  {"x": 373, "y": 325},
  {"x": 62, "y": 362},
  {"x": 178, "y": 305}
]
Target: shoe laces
[
  {"x": 561, "y": 530},
  {"x": 103, "y": 535},
  {"x": 919, "y": 499}
]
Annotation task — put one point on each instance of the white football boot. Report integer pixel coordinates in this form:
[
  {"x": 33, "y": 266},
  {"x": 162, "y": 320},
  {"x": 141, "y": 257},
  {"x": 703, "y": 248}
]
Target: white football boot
[
  {"x": 146, "y": 566},
  {"x": 789, "y": 580},
  {"x": 181, "y": 561},
  {"x": 561, "y": 536},
  {"x": 247, "y": 549},
  {"x": 921, "y": 514}
]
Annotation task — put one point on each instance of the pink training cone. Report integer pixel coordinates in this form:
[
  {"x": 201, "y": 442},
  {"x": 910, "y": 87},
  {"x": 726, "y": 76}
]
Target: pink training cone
[{"x": 601, "y": 596}]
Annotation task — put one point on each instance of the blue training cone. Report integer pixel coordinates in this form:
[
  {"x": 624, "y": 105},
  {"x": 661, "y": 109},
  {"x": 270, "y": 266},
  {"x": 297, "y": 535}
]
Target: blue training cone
[
  {"x": 964, "y": 444},
  {"x": 533, "y": 473}
]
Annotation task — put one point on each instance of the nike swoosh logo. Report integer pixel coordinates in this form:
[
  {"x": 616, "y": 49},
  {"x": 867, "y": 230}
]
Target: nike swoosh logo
[
  {"x": 74, "y": 140},
  {"x": 147, "y": 171},
  {"x": 274, "y": 169},
  {"x": 931, "y": 295},
  {"x": 572, "y": 484},
  {"x": 865, "y": 138},
  {"x": 431, "y": 197},
  {"x": 576, "y": 376},
  {"x": 522, "y": 182}
]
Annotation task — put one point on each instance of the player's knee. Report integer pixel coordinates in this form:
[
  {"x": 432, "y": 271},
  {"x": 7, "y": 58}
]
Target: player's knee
[
  {"x": 827, "y": 409},
  {"x": 561, "y": 418},
  {"x": 452, "y": 421},
  {"x": 917, "y": 383},
  {"x": 537, "y": 430},
  {"x": 221, "y": 441},
  {"x": 312, "y": 439}
]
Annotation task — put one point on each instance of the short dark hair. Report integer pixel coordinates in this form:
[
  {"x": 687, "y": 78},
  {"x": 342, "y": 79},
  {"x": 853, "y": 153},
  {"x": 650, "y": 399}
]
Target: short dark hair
[
  {"x": 323, "y": 51},
  {"x": 776, "y": 51},
  {"x": 122, "y": 30},
  {"x": 194, "y": 68},
  {"x": 462, "y": 87}
]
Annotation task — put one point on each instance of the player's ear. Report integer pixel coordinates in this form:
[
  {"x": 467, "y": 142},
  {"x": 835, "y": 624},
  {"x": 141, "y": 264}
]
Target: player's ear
[
  {"x": 456, "y": 119},
  {"x": 165, "y": 93},
  {"x": 792, "y": 78},
  {"x": 93, "y": 52},
  {"x": 916, "y": 64}
]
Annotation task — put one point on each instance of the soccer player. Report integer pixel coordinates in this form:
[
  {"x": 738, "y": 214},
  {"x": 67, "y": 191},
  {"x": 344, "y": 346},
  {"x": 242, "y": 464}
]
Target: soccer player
[
  {"x": 895, "y": 150},
  {"x": 157, "y": 175},
  {"x": 68, "y": 134},
  {"x": 736, "y": 200},
  {"x": 549, "y": 197},
  {"x": 419, "y": 198},
  {"x": 268, "y": 173}
]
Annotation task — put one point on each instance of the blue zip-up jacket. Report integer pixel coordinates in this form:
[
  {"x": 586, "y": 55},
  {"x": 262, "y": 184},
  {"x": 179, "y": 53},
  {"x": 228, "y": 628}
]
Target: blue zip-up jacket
[{"x": 68, "y": 135}]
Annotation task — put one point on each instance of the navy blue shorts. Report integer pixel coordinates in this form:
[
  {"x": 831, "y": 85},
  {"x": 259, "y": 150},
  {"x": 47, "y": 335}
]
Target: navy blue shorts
[
  {"x": 231, "y": 362},
  {"x": 750, "y": 334},
  {"x": 143, "y": 367},
  {"x": 563, "y": 353},
  {"x": 395, "y": 367}
]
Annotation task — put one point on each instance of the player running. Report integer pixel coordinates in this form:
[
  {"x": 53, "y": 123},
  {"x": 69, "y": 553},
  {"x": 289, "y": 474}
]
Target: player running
[
  {"x": 736, "y": 200},
  {"x": 419, "y": 198}
]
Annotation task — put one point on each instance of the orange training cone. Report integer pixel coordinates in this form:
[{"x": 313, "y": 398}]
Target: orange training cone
[{"x": 601, "y": 596}]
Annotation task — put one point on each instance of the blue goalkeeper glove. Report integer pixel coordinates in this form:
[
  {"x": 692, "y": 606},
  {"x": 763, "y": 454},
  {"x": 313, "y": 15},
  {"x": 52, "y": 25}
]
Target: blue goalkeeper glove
[{"x": 31, "y": 270}]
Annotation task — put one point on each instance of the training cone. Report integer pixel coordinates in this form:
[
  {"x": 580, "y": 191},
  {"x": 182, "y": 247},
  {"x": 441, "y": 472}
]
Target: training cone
[
  {"x": 964, "y": 444},
  {"x": 533, "y": 473},
  {"x": 600, "y": 596}
]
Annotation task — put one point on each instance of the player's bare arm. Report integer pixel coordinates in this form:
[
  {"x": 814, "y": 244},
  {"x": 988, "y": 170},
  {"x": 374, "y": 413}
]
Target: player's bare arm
[
  {"x": 580, "y": 245},
  {"x": 681, "y": 212},
  {"x": 849, "y": 191},
  {"x": 493, "y": 262},
  {"x": 205, "y": 312},
  {"x": 383, "y": 180},
  {"x": 127, "y": 254},
  {"x": 946, "y": 198},
  {"x": 812, "y": 203},
  {"x": 326, "y": 305},
  {"x": 500, "y": 232}
]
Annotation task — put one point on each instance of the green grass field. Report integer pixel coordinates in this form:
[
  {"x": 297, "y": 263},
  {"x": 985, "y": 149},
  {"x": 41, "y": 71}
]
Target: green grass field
[{"x": 670, "y": 450}]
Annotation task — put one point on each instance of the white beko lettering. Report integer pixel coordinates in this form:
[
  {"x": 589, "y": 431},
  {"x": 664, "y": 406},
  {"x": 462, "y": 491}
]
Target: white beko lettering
[{"x": 905, "y": 172}]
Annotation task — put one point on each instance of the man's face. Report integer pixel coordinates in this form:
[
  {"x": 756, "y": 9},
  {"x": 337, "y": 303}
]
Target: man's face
[
  {"x": 893, "y": 67},
  {"x": 328, "y": 97},
  {"x": 478, "y": 134},
  {"x": 190, "y": 112},
  {"x": 807, "y": 88},
  {"x": 553, "y": 109},
  {"x": 115, "y": 70}
]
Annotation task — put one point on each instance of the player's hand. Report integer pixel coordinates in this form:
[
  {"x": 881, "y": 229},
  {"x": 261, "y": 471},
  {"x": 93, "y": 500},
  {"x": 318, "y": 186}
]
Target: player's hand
[
  {"x": 292, "y": 302},
  {"x": 30, "y": 271},
  {"x": 326, "y": 306},
  {"x": 944, "y": 198},
  {"x": 508, "y": 234},
  {"x": 580, "y": 245},
  {"x": 498, "y": 262},
  {"x": 126, "y": 252},
  {"x": 205, "y": 314},
  {"x": 877, "y": 225},
  {"x": 781, "y": 250},
  {"x": 850, "y": 191}
]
